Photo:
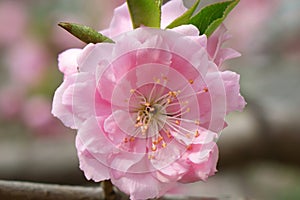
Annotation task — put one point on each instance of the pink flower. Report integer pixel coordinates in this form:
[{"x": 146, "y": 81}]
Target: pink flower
[
  {"x": 27, "y": 61},
  {"x": 247, "y": 19},
  {"x": 148, "y": 108},
  {"x": 11, "y": 100},
  {"x": 36, "y": 115},
  {"x": 13, "y": 20}
]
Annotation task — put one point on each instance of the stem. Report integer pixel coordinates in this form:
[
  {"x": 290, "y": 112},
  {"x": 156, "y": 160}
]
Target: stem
[{"x": 108, "y": 189}]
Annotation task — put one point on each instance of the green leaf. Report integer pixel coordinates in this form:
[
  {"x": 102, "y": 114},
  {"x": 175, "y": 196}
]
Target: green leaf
[
  {"x": 85, "y": 33},
  {"x": 145, "y": 12},
  {"x": 209, "y": 18},
  {"x": 185, "y": 17}
]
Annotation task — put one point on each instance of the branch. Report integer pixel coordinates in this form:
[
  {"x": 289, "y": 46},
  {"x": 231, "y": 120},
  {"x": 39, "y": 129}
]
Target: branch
[
  {"x": 35, "y": 191},
  {"x": 15, "y": 190}
]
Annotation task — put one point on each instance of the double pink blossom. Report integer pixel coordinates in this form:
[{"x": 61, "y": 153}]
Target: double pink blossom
[{"x": 149, "y": 107}]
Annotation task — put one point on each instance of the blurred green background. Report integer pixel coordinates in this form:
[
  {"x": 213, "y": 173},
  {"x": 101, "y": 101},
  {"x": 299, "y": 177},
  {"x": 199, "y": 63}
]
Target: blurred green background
[{"x": 259, "y": 151}]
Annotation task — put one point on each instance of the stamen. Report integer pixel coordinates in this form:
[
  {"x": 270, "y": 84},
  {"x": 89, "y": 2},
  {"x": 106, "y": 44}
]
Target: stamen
[
  {"x": 165, "y": 78},
  {"x": 132, "y": 91},
  {"x": 168, "y": 133},
  {"x": 154, "y": 147},
  {"x": 156, "y": 80},
  {"x": 180, "y": 130},
  {"x": 197, "y": 134},
  {"x": 160, "y": 139},
  {"x": 189, "y": 147}
]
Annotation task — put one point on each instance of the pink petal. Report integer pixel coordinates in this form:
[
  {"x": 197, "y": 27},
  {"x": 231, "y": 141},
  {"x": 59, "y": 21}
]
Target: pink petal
[
  {"x": 92, "y": 54},
  {"x": 188, "y": 30},
  {"x": 214, "y": 46},
  {"x": 235, "y": 102},
  {"x": 93, "y": 169},
  {"x": 120, "y": 23},
  {"x": 91, "y": 134},
  {"x": 67, "y": 61},
  {"x": 139, "y": 186},
  {"x": 61, "y": 111},
  {"x": 170, "y": 11},
  {"x": 212, "y": 104},
  {"x": 84, "y": 98},
  {"x": 203, "y": 170}
]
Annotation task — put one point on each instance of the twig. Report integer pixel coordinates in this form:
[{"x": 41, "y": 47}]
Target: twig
[
  {"x": 108, "y": 189},
  {"x": 13, "y": 190}
]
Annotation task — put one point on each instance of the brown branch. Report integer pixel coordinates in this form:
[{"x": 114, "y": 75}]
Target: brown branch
[
  {"x": 15, "y": 190},
  {"x": 108, "y": 190}
]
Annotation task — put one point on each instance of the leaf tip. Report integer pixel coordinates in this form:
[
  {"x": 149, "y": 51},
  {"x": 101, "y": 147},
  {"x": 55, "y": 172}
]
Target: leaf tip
[{"x": 65, "y": 25}]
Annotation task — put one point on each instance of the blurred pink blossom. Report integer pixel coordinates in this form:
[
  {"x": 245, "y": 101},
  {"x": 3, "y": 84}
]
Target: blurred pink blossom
[
  {"x": 13, "y": 21},
  {"x": 11, "y": 100},
  {"x": 247, "y": 21},
  {"x": 26, "y": 62},
  {"x": 36, "y": 115},
  {"x": 36, "y": 112}
]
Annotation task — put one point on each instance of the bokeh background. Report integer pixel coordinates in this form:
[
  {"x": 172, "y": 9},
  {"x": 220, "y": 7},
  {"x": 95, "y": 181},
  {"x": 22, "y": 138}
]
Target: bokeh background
[{"x": 259, "y": 151}]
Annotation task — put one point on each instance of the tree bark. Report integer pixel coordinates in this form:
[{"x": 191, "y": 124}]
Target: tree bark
[{"x": 15, "y": 190}]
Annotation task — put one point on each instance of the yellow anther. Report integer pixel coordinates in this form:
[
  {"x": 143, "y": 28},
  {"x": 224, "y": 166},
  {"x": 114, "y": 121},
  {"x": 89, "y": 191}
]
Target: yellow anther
[
  {"x": 160, "y": 138},
  {"x": 177, "y": 122},
  {"x": 197, "y": 122},
  {"x": 155, "y": 142},
  {"x": 197, "y": 134},
  {"x": 168, "y": 134},
  {"x": 205, "y": 89},
  {"x": 191, "y": 81},
  {"x": 132, "y": 91},
  {"x": 164, "y": 145},
  {"x": 132, "y": 139},
  {"x": 154, "y": 147},
  {"x": 157, "y": 80},
  {"x": 125, "y": 140},
  {"x": 189, "y": 147}
]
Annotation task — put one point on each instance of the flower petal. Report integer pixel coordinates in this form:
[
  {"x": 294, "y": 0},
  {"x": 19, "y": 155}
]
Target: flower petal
[
  {"x": 67, "y": 61},
  {"x": 120, "y": 23},
  {"x": 235, "y": 102},
  {"x": 62, "y": 111},
  {"x": 170, "y": 11},
  {"x": 93, "y": 169},
  {"x": 140, "y": 186},
  {"x": 214, "y": 46}
]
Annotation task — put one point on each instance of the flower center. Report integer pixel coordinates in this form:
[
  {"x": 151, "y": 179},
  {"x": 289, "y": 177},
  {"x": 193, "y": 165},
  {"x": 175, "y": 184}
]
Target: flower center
[
  {"x": 159, "y": 110},
  {"x": 149, "y": 114}
]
